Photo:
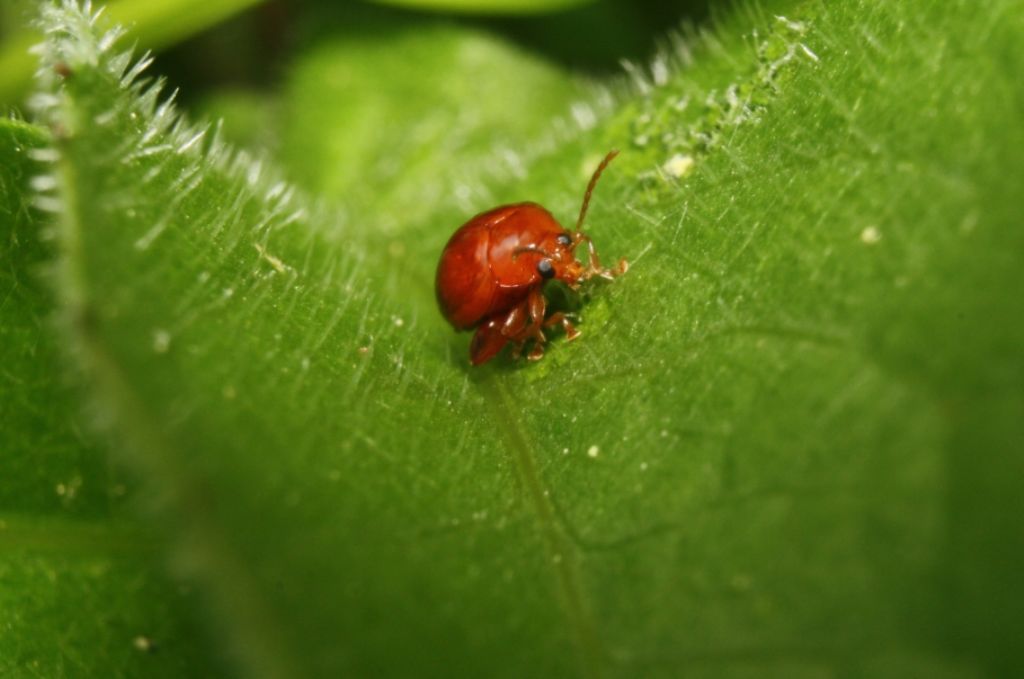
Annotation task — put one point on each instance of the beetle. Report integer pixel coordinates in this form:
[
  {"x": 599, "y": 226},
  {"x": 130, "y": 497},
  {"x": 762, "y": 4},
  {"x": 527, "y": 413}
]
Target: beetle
[{"x": 493, "y": 269}]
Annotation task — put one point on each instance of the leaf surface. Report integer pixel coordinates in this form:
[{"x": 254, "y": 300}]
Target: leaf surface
[{"x": 783, "y": 442}]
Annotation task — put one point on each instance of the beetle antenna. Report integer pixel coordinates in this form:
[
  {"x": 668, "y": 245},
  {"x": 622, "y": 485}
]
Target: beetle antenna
[
  {"x": 530, "y": 248},
  {"x": 590, "y": 187}
]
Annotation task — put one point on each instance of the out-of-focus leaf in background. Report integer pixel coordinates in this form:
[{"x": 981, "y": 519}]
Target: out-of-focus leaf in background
[
  {"x": 154, "y": 23},
  {"x": 82, "y": 586},
  {"x": 487, "y": 6}
]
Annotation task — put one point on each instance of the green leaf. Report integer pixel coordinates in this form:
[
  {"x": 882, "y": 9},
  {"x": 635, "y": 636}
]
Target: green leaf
[
  {"x": 470, "y": 95},
  {"x": 784, "y": 445},
  {"x": 488, "y": 6},
  {"x": 13, "y": 16},
  {"x": 247, "y": 119},
  {"x": 81, "y": 587},
  {"x": 155, "y": 24}
]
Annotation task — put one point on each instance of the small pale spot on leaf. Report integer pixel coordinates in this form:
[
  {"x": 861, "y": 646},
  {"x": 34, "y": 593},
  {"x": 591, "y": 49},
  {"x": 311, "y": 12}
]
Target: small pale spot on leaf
[
  {"x": 143, "y": 644},
  {"x": 678, "y": 165},
  {"x": 870, "y": 235},
  {"x": 161, "y": 341}
]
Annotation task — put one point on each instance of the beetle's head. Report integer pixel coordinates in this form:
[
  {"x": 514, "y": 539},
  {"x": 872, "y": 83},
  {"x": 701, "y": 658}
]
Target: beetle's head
[
  {"x": 555, "y": 254},
  {"x": 554, "y": 258}
]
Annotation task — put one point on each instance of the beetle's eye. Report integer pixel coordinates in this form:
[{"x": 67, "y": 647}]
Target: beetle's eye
[
  {"x": 564, "y": 239},
  {"x": 545, "y": 268}
]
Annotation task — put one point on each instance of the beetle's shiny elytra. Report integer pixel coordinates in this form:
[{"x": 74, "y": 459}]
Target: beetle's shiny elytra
[{"x": 493, "y": 269}]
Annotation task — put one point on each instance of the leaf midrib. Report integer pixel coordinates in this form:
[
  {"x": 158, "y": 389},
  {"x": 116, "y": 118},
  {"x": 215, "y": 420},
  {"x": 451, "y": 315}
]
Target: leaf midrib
[
  {"x": 64, "y": 534},
  {"x": 560, "y": 552}
]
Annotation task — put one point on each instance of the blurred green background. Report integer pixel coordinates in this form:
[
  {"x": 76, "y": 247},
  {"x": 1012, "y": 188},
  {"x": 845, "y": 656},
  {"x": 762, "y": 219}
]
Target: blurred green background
[{"x": 247, "y": 47}]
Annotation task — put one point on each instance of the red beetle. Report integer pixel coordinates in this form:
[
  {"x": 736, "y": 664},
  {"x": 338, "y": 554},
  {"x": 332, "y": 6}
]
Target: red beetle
[{"x": 494, "y": 267}]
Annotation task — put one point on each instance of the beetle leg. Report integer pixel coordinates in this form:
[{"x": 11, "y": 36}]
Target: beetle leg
[
  {"x": 538, "y": 307},
  {"x": 516, "y": 327},
  {"x": 516, "y": 321},
  {"x": 528, "y": 319},
  {"x": 523, "y": 323},
  {"x": 559, "y": 317},
  {"x": 530, "y": 325},
  {"x": 594, "y": 260},
  {"x": 594, "y": 267},
  {"x": 536, "y": 353},
  {"x": 488, "y": 341}
]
